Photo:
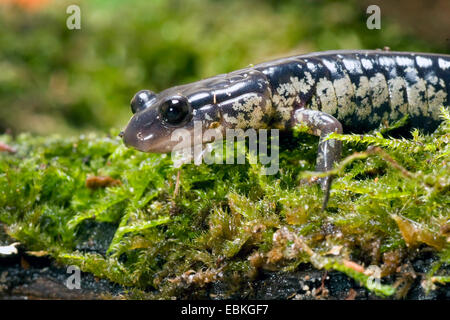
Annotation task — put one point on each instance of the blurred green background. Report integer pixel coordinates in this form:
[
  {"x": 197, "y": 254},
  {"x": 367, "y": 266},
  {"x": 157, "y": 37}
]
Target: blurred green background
[{"x": 55, "y": 80}]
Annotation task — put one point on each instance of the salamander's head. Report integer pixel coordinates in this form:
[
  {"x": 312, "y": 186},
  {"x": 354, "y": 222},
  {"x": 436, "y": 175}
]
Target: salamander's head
[
  {"x": 157, "y": 116},
  {"x": 165, "y": 121}
]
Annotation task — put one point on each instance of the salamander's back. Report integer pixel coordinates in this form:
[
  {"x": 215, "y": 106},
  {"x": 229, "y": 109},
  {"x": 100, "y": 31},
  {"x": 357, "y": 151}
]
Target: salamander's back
[{"x": 362, "y": 88}]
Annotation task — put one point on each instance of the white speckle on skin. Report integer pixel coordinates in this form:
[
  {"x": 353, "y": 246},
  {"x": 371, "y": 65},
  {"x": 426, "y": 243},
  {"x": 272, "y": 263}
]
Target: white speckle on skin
[
  {"x": 344, "y": 93},
  {"x": 248, "y": 104},
  {"x": 312, "y": 104},
  {"x": 352, "y": 65},
  {"x": 416, "y": 94},
  {"x": 229, "y": 119},
  {"x": 363, "y": 93},
  {"x": 443, "y": 64},
  {"x": 378, "y": 89},
  {"x": 436, "y": 99},
  {"x": 404, "y": 61},
  {"x": 416, "y": 91},
  {"x": 412, "y": 72},
  {"x": 397, "y": 86},
  {"x": 252, "y": 106},
  {"x": 367, "y": 64},
  {"x": 433, "y": 79},
  {"x": 141, "y": 137},
  {"x": 311, "y": 66},
  {"x": 327, "y": 96},
  {"x": 330, "y": 65},
  {"x": 242, "y": 123},
  {"x": 256, "y": 118},
  {"x": 288, "y": 94},
  {"x": 303, "y": 85},
  {"x": 296, "y": 86},
  {"x": 284, "y": 106},
  {"x": 424, "y": 62},
  {"x": 385, "y": 61}
]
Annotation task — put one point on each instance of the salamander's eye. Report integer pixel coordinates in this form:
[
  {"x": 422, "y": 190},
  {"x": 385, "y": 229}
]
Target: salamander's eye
[
  {"x": 141, "y": 100},
  {"x": 175, "y": 111}
]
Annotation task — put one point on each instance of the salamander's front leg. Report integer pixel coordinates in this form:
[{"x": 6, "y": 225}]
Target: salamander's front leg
[{"x": 321, "y": 124}]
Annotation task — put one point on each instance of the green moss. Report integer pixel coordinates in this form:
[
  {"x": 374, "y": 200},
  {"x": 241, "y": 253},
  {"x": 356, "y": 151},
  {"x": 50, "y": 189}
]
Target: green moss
[{"x": 183, "y": 228}]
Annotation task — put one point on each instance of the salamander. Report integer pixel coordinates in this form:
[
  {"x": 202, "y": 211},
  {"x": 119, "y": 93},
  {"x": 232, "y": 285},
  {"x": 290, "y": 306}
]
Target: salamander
[{"x": 332, "y": 91}]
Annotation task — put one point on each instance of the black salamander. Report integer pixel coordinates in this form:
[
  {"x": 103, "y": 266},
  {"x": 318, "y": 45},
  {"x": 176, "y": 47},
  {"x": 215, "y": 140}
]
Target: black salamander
[{"x": 332, "y": 91}]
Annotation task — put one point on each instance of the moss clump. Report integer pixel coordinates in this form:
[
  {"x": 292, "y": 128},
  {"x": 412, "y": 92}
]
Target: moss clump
[{"x": 180, "y": 229}]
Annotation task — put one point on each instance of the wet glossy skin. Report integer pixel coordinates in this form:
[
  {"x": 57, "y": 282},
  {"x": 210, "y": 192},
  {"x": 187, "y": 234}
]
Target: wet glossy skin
[
  {"x": 358, "y": 88},
  {"x": 212, "y": 101},
  {"x": 333, "y": 91}
]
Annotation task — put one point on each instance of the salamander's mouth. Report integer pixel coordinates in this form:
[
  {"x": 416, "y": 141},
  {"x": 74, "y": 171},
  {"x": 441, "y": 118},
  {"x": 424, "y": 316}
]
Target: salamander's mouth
[
  {"x": 145, "y": 133},
  {"x": 146, "y": 142},
  {"x": 140, "y": 132}
]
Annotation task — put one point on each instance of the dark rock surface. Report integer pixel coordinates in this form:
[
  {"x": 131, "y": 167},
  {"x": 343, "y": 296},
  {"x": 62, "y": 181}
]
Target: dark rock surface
[{"x": 24, "y": 276}]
